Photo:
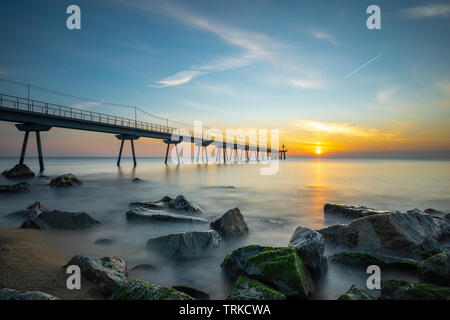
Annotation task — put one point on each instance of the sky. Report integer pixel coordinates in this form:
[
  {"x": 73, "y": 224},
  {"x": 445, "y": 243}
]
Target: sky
[{"x": 311, "y": 69}]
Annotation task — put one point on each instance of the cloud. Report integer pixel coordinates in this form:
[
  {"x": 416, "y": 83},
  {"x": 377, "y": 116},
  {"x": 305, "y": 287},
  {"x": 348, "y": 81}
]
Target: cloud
[
  {"x": 176, "y": 79},
  {"x": 323, "y": 35},
  {"x": 333, "y": 128},
  {"x": 252, "y": 47},
  {"x": 307, "y": 84},
  {"x": 385, "y": 96},
  {"x": 428, "y": 11}
]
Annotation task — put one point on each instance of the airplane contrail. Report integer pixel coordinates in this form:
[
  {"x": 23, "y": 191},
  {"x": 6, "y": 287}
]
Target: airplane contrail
[{"x": 365, "y": 64}]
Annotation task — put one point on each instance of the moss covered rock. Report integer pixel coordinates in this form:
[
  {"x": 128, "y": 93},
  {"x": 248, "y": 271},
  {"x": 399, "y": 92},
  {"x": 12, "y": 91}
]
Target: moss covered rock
[
  {"x": 280, "y": 268},
  {"x": 355, "y": 293},
  {"x": 365, "y": 259},
  {"x": 142, "y": 290},
  {"x": 251, "y": 289},
  {"x": 404, "y": 290},
  {"x": 436, "y": 269},
  {"x": 234, "y": 262}
]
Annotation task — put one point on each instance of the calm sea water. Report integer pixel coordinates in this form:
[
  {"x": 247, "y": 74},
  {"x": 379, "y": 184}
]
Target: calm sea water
[{"x": 273, "y": 206}]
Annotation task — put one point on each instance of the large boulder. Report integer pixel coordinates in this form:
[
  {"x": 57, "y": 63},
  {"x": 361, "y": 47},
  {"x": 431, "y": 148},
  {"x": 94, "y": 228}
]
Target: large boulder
[
  {"x": 398, "y": 233},
  {"x": 185, "y": 245},
  {"x": 19, "y": 171},
  {"x": 30, "y": 212},
  {"x": 166, "y": 209},
  {"x": 142, "y": 290},
  {"x": 56, "y": 219},
  {"x": 355, "y": 293},
  {"x": 110, "y": 273},
  {"x": 231, "y": 224},
  {"x": 281, "y": 268},
  {"x": 251, "y": 289},
  {"x": 11, "y": 294},
  {"x": 21, "y": 187},
  {"x": 436, "y": 269},
  {"x": 351, "y": 211},
  {"x": 404, "y": 290},
  {"x": 309, "y": 245},
  {"x": 365, "y": 259},
  {"x": 64, "y": 181}
]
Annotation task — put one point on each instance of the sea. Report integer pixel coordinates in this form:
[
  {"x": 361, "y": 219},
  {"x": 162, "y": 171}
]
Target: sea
[{"x": 273, "y": 207}]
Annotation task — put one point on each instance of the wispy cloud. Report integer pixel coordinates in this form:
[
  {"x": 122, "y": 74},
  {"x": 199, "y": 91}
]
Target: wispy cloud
[
  {"x": 333, "y": 128},
  {"x": 176, "y": 79},
  {"x": 363, "y": 66},
  {"x": 252, "y": 47},
  {"x": 427, "y": 11},
  {"x": 307, "y": 84},
  {"x": 385, "y": 96},
  {"x": 323, "y": 35}
]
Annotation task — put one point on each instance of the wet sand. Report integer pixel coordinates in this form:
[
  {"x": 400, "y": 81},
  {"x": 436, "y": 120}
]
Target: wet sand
[{"x": 29, "y": 262}]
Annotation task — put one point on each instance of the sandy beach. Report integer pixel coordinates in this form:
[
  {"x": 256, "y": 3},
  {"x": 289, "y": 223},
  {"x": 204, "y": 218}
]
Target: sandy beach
[{"x": 29, "y": 262}]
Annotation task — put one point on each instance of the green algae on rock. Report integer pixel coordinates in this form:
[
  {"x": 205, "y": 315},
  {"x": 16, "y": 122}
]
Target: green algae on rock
[
  {"x": 251, "y": 289},
  {"x": 142, "y": 290}
]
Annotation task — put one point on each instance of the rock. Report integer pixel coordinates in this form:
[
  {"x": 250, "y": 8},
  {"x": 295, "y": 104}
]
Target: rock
[
  {"x": 447, "y": 217},
  {"x": 137, "y": 180},
  {"x": 15, "y": 188},
  {"x": 398, "y": 233},
  {"x": 309, "y": 245},
  {"x": 436, "y": 269},
  {"x": 194, "y": 293},
  {"x": 251, "y": 289},
  {"x": 404, "y": 290},
  {"x": 231, "y": 224},
  {"x": 60, "y": 220},
  {"x": 32, "y": 211},
  {"x": 365, "y": 259},
  {"x": 180, "y": 203},
  {"x": 429, "y": 253},
  {"x": 19, "y": 171},
  {"x": 355, "y": 293},
  {"x": 434, "y": 212},
  {"x": 280, "y": 268},
  {"x": 11, "y": 294},
  {"x": 163, "y": 210},
  {"x": 108, "y": 272},
  {"x": 185, "y": 245},
  {"x": 104, "y": 241},
  {"x": 351, "y": 211},
  {"x": 65, "y": 180},
  {"x": 144, "y": 266},
  {"x": 142, "y": 290},
  {"x": 137, "y": 213}
]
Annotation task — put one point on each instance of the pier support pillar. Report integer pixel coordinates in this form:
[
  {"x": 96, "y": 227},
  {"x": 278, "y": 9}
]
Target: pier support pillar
[
  {"x": 124, "y": 137},
  {"x": 37, "y": 128},
  {"x": 169, "y": 142}
]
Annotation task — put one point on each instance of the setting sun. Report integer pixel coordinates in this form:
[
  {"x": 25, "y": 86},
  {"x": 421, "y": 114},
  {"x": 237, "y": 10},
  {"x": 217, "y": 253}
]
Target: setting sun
[{"x": 318, "y": 150}]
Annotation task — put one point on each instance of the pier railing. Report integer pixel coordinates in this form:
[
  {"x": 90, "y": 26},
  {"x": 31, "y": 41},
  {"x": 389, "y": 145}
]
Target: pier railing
[
  {"x": 46, "y": 108},
  {"x": 24, "y": 104}
]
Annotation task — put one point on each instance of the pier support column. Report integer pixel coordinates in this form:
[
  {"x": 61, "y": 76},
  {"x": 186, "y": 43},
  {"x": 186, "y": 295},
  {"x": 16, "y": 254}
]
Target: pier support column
[
  {"x": 24, "y": 147},
  {"x": 169, "y": 142},
  {"x": 37, "y": 128},
  {"x": 120, "y": 153},
  {"x": 124, "y": 137},
  {"x": 41, "y": 159},
  {"x": 224, "y": 148}
]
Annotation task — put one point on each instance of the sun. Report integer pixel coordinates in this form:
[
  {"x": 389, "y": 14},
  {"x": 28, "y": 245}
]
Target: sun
[{"x": 318, "y": 150}]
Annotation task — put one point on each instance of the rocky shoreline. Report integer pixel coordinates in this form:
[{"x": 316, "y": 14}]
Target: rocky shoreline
[{"x": 412, "y": 242}]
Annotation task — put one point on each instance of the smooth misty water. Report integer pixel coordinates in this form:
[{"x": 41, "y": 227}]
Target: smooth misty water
[{"x": 273, "y": 206}]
